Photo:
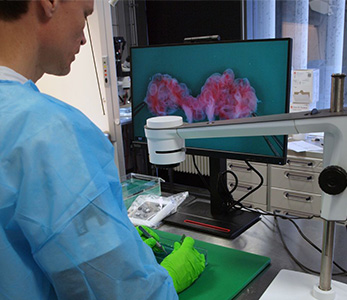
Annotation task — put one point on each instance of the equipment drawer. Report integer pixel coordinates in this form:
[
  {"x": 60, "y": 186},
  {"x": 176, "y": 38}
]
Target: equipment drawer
[
  {"x": 295, "y": 201},
  {"x": 244, "y": 173},
  {"x": 259, "y": 196},
  {"x": 304, "y": 164},
  {"x": 295, "y": 180}
]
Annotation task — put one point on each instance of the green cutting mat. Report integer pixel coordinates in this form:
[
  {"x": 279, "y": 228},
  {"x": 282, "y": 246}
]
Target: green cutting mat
[{"x": 227, "y": 273}]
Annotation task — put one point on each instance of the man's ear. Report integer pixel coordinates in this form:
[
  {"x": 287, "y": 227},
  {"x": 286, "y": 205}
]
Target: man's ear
[{"x": 49, "y": 6}]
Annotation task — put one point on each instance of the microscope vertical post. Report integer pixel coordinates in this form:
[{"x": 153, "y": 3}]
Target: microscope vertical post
[
  {"x": 337, "y": 90},
  {"x": 336, "y": 105},
  {"x": 327, "y": 255}
]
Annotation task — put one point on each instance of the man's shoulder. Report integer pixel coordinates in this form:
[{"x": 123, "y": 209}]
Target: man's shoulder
[
  {"x": 24, "y": 103},
  {"x": 26, "y": 98}
]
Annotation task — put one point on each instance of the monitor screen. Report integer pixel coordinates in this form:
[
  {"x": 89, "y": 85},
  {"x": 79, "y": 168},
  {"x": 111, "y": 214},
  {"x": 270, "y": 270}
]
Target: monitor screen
[{"x": 214, "y": 81}]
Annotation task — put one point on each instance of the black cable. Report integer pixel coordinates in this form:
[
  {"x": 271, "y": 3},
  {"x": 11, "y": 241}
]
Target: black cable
[
  {"x": 138, "y": 108},
  {"x": 302, "y": 266},
  {"x": 200, "y": 175},
  {"x": 267, "y": 213},
  {"x": 272, "y": 148},
  {"x": 222, "y": 189},
  {"x": 344, "y": 271},
  {"x": 235, "y": 177},
  {"x": 224, "y": 193},
  {"x": 95, "y": 68},
  {"x": 310, "y": 243},
  {"x": 252, "y": 190},
  {"x": 278, "y": 142},
  {"x": 275, "y": 138},
  {"x": 291, "y": 219}
]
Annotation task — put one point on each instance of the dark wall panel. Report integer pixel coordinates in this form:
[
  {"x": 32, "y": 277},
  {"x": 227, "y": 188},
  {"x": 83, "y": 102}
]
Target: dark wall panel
[{"x": 172, "y": 21}]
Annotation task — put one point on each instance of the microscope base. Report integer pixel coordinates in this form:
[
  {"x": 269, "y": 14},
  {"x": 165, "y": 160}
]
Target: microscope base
[{"x": 299, "y": 286}]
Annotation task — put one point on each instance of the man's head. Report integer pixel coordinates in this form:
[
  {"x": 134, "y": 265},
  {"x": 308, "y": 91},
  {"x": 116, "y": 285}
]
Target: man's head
[
  {"x": 61, "y": 33},
  {"x": 53, "y": 32},
  {"x": 12, "y": 10}
]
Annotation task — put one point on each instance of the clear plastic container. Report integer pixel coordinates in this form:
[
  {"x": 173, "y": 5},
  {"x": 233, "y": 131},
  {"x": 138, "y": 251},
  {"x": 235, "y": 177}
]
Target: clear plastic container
[
  {"x": 134, "y": 185},
  {"x": 168, "y": 245}
]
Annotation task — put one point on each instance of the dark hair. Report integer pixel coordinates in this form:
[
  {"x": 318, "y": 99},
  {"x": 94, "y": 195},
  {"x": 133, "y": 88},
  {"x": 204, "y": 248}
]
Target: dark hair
[{"x": 11, "y": 10}]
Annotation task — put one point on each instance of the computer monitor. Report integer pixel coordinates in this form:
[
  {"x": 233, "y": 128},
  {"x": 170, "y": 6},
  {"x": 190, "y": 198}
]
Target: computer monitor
[
  {"x": 213, "y": 81},
  {"x": 263, "y": 66}
]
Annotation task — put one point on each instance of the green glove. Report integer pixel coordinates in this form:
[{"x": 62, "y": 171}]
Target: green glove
[
  {"x": 149, "y": 241},
  {"x": 184, "y": 264}
]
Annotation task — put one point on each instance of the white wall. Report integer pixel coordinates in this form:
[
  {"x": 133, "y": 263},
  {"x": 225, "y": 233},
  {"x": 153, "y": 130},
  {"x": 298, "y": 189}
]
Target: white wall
[{"x": 80, "y": 87}]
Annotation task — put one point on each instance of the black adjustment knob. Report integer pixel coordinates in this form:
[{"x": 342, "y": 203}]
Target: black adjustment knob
[{"x": 333, "y": 180}]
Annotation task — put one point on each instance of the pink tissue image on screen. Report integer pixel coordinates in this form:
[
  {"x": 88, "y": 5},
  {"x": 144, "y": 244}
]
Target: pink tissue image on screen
[{"x": 222, "y": 97}]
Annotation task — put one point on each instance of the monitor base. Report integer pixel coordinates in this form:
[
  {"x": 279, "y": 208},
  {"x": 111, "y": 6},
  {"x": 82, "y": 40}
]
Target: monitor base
[{"x": 195, "y": 214}]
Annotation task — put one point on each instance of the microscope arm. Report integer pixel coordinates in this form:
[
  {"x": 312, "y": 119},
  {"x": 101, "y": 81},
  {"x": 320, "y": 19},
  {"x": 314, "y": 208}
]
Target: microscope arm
[{"x": 166, "y": 135}]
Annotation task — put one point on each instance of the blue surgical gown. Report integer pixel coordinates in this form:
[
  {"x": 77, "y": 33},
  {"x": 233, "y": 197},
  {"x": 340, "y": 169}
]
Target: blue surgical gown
[{"x": 64, "y": 230}]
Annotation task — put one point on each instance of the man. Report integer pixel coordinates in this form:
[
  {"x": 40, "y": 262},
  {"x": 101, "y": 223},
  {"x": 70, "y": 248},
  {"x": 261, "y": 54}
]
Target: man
[{"x": 64, "y": 230}]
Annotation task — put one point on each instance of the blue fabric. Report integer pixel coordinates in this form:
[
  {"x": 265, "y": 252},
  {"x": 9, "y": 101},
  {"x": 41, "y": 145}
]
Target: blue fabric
[{"x": 64, "y": 230}]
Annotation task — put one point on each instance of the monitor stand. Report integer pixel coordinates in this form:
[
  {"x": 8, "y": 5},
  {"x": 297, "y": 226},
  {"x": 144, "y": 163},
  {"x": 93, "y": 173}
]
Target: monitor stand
[
  {"x": 196, "y": 214},
  {"x": 207, "y": 215}
]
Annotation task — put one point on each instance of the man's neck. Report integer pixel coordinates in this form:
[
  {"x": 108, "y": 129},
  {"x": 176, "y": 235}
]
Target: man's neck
[{"x": 17, "y": 50}]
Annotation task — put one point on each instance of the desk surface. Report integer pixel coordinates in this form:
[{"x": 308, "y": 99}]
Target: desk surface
[
  {"x": 263, "y": 239},
  {"x": 228, "y": 270}
]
